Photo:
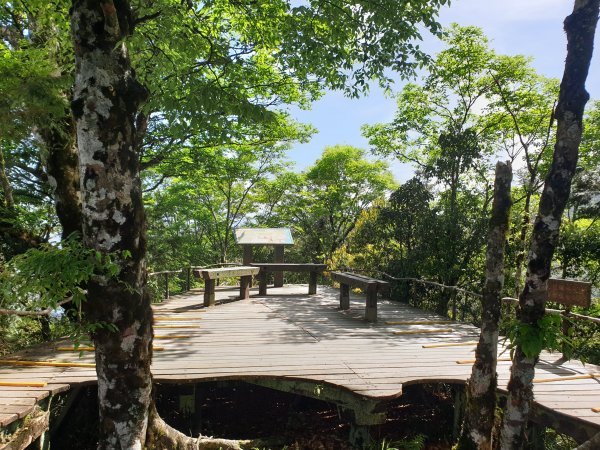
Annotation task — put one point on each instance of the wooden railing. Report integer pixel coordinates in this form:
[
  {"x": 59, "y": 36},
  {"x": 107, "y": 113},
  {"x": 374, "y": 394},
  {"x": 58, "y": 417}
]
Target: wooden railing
[
  {"x": 187, "y": 271},
  {"x": 167, "y": 273},
  {"x": 559, "y": 312},
  {"x": 508, "y": 300}
]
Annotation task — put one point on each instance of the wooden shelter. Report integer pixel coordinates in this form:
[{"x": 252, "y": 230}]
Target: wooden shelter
[{"x": 278, "y": 238}]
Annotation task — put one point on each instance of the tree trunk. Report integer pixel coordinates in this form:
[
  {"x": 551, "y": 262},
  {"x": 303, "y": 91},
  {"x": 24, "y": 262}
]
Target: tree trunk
[
  {"x": 105, "y": 104},
  {"x": 521, "y": 242},
  {"x": 580, "y": 28},
  {"x": 6, "y": 187},
  {"x": 17, "y": 238},
  {"x": 61, "y": 163},
  {"x": 481, "y": 388},
  {"x": 593, "y": 443},
  {"x": 62, "y": 167}
]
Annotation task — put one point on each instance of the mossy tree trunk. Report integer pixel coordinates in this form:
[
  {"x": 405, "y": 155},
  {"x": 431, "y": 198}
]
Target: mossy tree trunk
[
  {"x": 481, "y": 388},
  {"x": 62, "y": 168},
  {"x": 106, "y": 102},
  {"x": 580, "y": 28}
]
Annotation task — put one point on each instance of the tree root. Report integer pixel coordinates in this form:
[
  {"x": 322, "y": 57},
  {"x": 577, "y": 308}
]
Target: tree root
[
  {"x": 161, "y": 436},
  {"x": 593, "y": 443}
]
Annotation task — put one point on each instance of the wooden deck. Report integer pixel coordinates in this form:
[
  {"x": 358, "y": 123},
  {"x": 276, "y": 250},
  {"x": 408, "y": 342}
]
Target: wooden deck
[{"x": 293, "y": 336}]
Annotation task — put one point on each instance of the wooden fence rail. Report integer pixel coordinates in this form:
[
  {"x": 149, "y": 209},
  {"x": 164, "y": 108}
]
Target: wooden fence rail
[
  {"x": 166, "y": 274},
  {"x": 511, "y": 300},
  {"x": 560, "y": 312}
]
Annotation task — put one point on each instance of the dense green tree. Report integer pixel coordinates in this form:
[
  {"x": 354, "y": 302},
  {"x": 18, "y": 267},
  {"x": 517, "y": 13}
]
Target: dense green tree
[
  {"x": 439, "y": 128},
  {"x": 410, "y": 219},
  {"x": 335, "y": 43},
  {"x": 37, "y": 73},
  {"x": 523, "y": 109},
  {"x": 326, "y": 200},
  {"x": 216, "y": 190},
  {"x": 177, "y": 222},
  {"x": 578, "y": 250},
  {"x": 471, "y": 108},
  {"x": 585, "y": 197},
  {"x": 29, "y": 96}
]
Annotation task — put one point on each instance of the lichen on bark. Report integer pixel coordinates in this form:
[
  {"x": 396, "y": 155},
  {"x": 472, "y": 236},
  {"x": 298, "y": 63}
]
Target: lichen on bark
[
  {"x": 481, "y": 388},
  {"x": 106, "y": 108},
  {"x": 106, "y": 100},
  {"x": 61, "y": 164}
]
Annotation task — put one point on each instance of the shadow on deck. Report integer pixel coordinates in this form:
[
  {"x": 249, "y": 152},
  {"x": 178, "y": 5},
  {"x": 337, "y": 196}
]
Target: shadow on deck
[{"x": 303, "y": 344}]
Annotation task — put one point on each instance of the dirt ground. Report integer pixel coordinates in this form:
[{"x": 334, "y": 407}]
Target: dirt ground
[{"x": 238, "y": 410}]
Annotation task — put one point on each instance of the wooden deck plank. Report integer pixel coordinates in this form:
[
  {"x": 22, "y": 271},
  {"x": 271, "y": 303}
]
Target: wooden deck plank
[
  {"x": 295, "y": 336},
  {"x": 7, "y": 418}
]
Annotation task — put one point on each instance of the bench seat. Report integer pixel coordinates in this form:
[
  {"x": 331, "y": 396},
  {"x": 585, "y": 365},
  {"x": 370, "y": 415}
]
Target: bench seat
[
  {"x": 211, "y": 275},
  {"x": 371, "y": 286}
]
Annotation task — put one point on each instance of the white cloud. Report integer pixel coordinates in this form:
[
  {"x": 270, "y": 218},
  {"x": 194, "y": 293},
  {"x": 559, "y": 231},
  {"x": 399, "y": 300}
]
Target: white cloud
[{"x": 495, "y": 11}]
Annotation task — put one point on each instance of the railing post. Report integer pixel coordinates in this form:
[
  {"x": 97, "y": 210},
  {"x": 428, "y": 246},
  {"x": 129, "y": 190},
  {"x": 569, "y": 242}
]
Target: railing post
[
  {"x": 344, "y": 296},
  {"x": 453, "y": 306},
  {"x": 312, "y": 284},
  {"x": 188, "y": 284},
  {"x": 209, "y": 292},
  {"x": 245, "y": 282},
  {"x": 566, "y": 330},
  {"x": 371, "y": 307},
  {"x": 278, "y": 258},
  {"x": 262, "y": 282},
  {"x": 166, "y": 285}
]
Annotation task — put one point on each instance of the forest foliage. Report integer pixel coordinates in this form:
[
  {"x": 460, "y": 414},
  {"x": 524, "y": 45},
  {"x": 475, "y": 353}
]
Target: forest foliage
[
  {"x": 470, "y": 108},
  {"x": 212, "y": 143}
]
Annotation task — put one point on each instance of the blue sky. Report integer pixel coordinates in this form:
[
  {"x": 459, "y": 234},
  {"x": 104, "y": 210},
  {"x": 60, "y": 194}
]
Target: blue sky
[{"x": 527, "y": 27}]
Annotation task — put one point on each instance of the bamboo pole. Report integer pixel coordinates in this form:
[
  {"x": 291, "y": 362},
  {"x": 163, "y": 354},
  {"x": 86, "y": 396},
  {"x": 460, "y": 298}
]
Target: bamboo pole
[
  {"x": 23, "y": 384},
  {"x": 21, "y": 362},
  {"x": 571, "y": 377},
  {"x": 419, "y": 322},
  {"x": 441, "y": 330},
  {"x": 472, "y": 361},
  {"x": 450, "y": 344}
]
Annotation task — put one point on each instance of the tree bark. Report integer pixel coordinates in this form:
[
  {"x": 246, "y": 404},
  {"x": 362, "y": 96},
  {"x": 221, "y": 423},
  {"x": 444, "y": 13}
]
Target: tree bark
[
  {"x": 593, "y": 443},
  {"x": 6, "y": 187},
  {"x": 62, "y": 167},
  {"x": 105, "y": 106},
  {"x": 481, "y": 388},
  {"x": 106, "y": 101},
  {"x": 580, "y": 28}
]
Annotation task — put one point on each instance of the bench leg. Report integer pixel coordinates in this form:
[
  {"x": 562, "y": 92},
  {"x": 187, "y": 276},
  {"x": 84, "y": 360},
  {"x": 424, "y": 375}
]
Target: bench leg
[
  {"x": 209, "y": 293},
  {"x": 245, "y": 283},
  {"x": 344, "y": 296},
  {"x": 278, "y": 258},
  {"x": 312, "y": 284},
  {"x": 262, "y": 282},
  {"x": 371, "y": 309}
]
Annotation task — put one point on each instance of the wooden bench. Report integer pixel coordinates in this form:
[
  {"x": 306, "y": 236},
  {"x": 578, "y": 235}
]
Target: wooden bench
[
  {"x": 265, "y": 268},
  {"x": 211, "y": 275},
  {"x": 371, "y": 286}
]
